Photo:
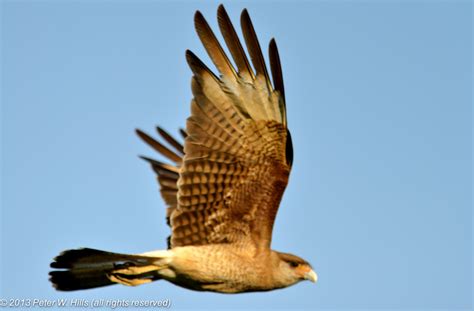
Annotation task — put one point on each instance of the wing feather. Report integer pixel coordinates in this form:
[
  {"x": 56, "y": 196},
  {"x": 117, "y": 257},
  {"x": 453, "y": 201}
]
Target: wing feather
[
  {"x": 183, "y": 133},
  {"x": 253, "y": 46},
  {"x": 233, "y": 43},
  {"x": 275, "y": 67},
  {"x": 159, "y": 147},
  {"x": 277, "y": 75},
  {"x": 213, "y": 46},
  {"x": 170, "y": 140}
]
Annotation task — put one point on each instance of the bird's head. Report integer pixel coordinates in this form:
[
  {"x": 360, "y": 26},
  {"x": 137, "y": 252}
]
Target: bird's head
[{"x": 295, "y": 269}]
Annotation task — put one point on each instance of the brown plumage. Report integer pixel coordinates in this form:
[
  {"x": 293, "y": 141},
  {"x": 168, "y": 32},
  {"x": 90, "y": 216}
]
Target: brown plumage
[{"x": 224, "y": 186}]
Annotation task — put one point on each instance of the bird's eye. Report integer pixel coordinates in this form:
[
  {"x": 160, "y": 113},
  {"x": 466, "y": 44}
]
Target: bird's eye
[{"x": 293, "y": 264}]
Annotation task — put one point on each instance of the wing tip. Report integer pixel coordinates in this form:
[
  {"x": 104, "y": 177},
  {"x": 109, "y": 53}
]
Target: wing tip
[
  {"x": 147, "y": 159},
  {"x": 272, "y": 43},
  {"x": 140, "y": 133},
  {"x": 199, "y": 20}
]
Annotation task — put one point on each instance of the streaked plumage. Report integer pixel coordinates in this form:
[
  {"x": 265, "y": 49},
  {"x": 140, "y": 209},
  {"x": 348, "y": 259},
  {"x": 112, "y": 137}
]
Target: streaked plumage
[{"x": 223, "y": 187}]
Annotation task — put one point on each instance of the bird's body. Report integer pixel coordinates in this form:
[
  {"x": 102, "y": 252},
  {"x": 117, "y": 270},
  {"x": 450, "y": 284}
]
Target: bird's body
[
  {"x": 224, "y": 188},
  {"x": 223, "y": 268}
]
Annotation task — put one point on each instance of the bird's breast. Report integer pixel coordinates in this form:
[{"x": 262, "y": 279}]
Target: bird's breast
[{"x": 221, "y": 268}]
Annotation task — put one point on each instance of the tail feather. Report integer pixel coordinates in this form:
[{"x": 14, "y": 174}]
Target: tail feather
[
  {"x": 90, "y": 268},
  {"x": 70, "y": 280}
]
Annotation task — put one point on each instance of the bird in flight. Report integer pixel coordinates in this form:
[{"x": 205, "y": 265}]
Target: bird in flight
[{"x": 224, "y": 187}]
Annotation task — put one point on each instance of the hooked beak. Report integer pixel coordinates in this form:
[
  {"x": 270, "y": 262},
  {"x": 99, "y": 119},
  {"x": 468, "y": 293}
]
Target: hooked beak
[{"x": 311, "y": 276}]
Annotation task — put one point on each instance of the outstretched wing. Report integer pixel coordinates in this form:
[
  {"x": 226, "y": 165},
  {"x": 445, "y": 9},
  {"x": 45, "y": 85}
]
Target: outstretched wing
[
  {"x": 235, "y": 166},
  {"x": 238, "y": 152}
]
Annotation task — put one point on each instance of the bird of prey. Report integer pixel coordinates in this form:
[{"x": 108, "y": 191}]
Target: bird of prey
[{"x": 224, "y": 186}]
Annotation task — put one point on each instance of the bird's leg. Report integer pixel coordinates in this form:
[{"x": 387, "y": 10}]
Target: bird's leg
[
  {"x": 138, "y": 270},
  {"x": 124, "y": 280}
]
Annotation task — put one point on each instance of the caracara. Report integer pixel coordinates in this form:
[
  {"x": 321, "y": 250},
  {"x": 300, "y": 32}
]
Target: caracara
[{"x": 223, "y": 187}]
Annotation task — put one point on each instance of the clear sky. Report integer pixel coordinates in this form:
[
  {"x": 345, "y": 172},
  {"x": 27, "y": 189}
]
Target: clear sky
[{"x": 379, "y": 105}]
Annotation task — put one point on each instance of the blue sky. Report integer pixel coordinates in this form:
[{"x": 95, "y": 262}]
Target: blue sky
[{"x": 379, "y": 105}]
